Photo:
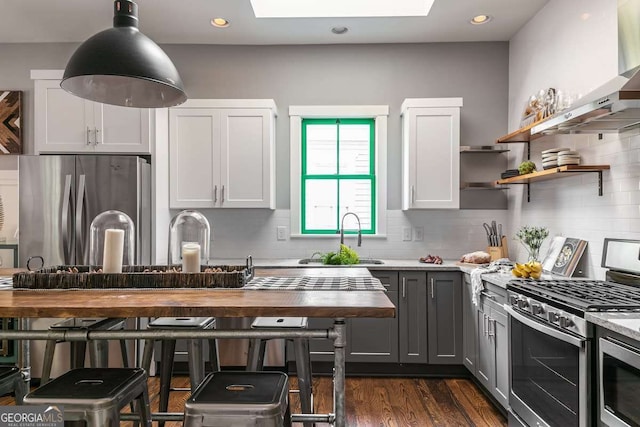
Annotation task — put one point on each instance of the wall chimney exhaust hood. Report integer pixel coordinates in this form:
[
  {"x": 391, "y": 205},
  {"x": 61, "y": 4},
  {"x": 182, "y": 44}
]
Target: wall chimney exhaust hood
[{"x": 615, "y": 106}]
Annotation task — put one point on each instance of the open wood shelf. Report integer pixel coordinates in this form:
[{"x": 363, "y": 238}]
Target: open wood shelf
[
  {"x": 553, "y": 173},
  {"x": 520, "y": 135}
]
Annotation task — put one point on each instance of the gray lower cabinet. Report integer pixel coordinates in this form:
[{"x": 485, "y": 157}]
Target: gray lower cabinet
[
  {"x": 492, "y": 362},
  {"x": 444, "y": 323},
  {"x": 412, "y": 317},
  {"x": 469, "y": 326},
  {"x": 368, "y": 339},
  {"x": 375, "y": 340}
]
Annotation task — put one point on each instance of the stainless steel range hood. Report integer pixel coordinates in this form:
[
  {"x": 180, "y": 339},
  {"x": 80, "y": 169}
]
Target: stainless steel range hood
[{"x": 615, "y": 106}]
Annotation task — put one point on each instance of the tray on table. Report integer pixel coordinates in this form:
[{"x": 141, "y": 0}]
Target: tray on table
[{"x": 134, "y": 276}]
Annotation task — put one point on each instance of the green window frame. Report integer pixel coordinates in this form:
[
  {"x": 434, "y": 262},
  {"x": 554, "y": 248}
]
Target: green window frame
[{"x": 337, "y": 176}]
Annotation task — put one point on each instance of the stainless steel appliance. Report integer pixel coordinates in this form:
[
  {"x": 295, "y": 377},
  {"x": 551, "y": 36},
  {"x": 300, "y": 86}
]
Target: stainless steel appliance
[
  {"x": 59, "y": 197},
  {"x": 551, "y": 345},
  {"x": 618, "y": 382}
]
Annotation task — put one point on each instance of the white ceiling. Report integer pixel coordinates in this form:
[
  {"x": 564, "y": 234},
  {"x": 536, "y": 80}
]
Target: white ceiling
[{"x": 187, "y": 21}]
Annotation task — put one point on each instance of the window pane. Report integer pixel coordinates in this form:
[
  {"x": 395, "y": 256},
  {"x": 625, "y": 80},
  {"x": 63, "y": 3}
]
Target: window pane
[
  {"x": 321, "y": 196},
  {"x": 355, "y": 149},
  {"x": 355, "y": 196},
  {"x": 322, "y": 146}
]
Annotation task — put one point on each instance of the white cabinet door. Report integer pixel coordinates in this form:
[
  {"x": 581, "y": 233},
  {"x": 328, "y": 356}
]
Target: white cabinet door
[
  {"x": 63, "y": 122},
  {"x": 122, "y": 129},
  {"x": 221, "y": 157},
  {"x": 246, "y": 158},
  {"x": 431, "y": 158},
  {"x": 194, "y": 158}
]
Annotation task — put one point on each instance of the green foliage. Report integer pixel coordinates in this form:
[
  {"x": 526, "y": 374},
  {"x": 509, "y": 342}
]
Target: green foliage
[
  {"x": 532, "y": 238},
  {"x": 526, "y": 167},
  {"x": 345, "y": 256}
]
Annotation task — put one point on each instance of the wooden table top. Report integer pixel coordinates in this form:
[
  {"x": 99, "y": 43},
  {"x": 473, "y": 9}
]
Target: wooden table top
[{"x": 203, "y": 302}]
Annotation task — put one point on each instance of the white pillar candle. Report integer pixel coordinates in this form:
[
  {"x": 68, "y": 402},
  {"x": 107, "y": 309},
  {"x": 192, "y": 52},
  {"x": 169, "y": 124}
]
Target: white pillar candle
[
  {"x": 113, "y": 249},
  {"x": 191, "y": 258}
]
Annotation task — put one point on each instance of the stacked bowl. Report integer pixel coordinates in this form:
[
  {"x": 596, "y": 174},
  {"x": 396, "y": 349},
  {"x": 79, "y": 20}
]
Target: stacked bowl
[
  {"x": 568, "y": 157},
  {"x": 550, "y": 157}
]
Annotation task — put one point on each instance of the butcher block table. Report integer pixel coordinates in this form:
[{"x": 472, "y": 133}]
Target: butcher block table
[{"x": 218, "y": 302}]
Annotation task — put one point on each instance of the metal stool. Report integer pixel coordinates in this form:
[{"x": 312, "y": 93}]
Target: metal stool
[
  {"x": 98, "y": 350},
  {"x": 194, "y": 350},
  {"x": 239, "y": 399},
  {"x": 96, "y": 395},
  {"x": 11, "y": 381},
  {"x": 257, "y": 347}
]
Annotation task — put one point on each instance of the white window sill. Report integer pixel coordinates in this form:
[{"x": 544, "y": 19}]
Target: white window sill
[{"x": 337, "y": 236}]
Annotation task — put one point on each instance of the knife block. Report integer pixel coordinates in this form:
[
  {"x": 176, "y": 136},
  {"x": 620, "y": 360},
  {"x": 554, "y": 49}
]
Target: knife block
[{"x": 497, "y": 252}]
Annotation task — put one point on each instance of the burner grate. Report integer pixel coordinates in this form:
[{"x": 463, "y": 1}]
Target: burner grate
[{"x": 582, "y": 294}]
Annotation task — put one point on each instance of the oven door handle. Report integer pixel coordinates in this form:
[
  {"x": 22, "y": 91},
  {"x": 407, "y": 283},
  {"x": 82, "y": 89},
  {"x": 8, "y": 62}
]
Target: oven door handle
[{"x": 547, "y": 330}]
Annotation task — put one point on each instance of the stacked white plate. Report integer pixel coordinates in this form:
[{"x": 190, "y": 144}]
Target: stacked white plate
[
  {"x": 568, "y": 157},
  {"x": 550, "y": 157}
]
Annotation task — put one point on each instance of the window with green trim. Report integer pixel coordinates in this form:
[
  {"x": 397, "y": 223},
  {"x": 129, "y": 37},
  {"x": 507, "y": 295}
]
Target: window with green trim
[{"x": 338, "y": 175}]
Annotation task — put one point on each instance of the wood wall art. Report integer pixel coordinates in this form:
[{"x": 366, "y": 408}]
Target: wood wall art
[{"x": 10, "y": 122}]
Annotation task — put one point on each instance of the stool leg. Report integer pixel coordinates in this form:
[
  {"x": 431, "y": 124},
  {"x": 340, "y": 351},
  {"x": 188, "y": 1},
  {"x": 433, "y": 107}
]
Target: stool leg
[
  {"x": 147, "y": 354},
  {"x": 104, "y": 418},
  {"x": 48, "y": 361},
  {"x": 20, "y": 390},
  {"x": 257, "y": 349},
  {"x": 196, "y": 362},
  {"x": 78, "y": 351},
  {"x": 142, "y": 402},
  {"x": 166, "y": 371},
  {"x": 124, "y": 354},
  {"x": 214, "y": 359},
  {"x": 99, "y": 353},
  {"x": 303, "y": 369}
]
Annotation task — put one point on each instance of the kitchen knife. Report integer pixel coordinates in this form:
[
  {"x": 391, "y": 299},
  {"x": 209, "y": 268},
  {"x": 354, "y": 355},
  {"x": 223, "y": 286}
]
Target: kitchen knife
[
  {"x": 488, "y": 230},
  {"x": 500, "y": 234}
]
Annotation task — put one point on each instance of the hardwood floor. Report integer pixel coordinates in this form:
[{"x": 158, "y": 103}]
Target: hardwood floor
[{"x": 381, "y": 402}]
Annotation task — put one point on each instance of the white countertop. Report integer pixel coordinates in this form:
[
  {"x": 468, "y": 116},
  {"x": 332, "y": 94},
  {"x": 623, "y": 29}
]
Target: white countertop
[{"x": 627, "y": 324}]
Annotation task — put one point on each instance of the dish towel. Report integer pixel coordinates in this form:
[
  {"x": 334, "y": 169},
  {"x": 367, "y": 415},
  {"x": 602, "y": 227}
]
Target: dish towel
[{"x": 476, "y": 280}]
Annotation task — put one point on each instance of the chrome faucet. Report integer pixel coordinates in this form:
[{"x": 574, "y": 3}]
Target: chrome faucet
[{"x": 342, "y": 228}]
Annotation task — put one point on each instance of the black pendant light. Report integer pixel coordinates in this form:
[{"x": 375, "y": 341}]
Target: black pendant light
[{"x": 122, "y": 66}]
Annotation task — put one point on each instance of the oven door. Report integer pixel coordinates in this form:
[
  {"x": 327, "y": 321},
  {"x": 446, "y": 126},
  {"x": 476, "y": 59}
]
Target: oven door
[
  {"x": 548, "y": 373},
  {"x": 619, "y": 383}
]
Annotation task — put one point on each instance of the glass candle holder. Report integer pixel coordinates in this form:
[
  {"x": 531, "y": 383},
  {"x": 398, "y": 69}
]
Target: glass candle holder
[
  {"x": 112, "y": 242},
  {"x": 189, "y": 234}
]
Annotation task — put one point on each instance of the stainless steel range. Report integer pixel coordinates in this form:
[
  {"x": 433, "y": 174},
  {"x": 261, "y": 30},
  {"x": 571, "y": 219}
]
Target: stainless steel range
[{"x": 551, "y": 345}]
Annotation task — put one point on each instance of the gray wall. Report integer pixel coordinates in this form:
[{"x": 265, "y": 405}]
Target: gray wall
[{"x": 316, "y": 75}]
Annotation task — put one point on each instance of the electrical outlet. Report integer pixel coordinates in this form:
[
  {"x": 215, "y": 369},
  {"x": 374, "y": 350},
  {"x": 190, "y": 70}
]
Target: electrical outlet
[
  {"x": 281, "y": 232},
  {"x": 418, "y": 234},
  {"x": 406, "y": 234}
]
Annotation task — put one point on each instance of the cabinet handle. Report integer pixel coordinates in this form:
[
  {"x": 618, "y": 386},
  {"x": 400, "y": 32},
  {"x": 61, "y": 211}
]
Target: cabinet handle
[
  {"x": 404, "y": 286},
  {"x": 492, "y": 331},
  {"x": 432, "y": 288},
  {"x": 413, "y": 194},
  {"x": 222, "y": 195},
  {"x": 88, "y": 136},
  {"x": 215, "y": 194},
  {"x": 485, "y": 326},
  {"x": 97, "y": 140},
  {"x": 484, "y": 294}
]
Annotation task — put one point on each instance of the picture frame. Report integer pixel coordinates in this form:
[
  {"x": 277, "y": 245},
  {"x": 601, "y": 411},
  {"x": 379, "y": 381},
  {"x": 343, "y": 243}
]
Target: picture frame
[
  {"x": 10, "y": 122},
  {"x": 563, "y": 255}
]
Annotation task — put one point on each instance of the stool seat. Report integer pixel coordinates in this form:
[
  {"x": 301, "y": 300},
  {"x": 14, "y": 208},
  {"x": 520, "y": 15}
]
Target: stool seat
[
  {"x": 96, "y": 395},
  {"x": 239, "y": 399},
  {"x": 195, "y": 356},
  {"x": 98, "y": 351},
  {"x": 11, "y": 381},
  {"x": 257, "y": 348}
]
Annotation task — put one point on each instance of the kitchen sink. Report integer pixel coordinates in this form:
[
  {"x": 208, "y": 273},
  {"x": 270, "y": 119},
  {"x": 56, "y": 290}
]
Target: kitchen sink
[{"x": 319, "y": 261}]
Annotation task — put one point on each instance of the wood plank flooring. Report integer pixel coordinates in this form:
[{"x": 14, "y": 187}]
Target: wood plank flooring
[{"x": 380, "y": 402}]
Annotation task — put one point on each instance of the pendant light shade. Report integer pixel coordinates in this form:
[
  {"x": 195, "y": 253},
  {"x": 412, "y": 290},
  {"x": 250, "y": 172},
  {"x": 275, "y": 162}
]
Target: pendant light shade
[{"x": 122, "y": 66}]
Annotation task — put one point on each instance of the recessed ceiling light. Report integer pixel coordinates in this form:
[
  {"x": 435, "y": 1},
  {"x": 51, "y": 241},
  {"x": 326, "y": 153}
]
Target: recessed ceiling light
[
  {"x": 220, "y": 22},
  {"x": 339, "y": 30},
  {"x": 339, "y": 8},
  {"x": 480, "y": 19}
]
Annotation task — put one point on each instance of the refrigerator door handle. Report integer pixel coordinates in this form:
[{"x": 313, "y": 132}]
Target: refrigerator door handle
[
  {"x": 80, "y": 209},
  {"x": 66, "y": 233}
]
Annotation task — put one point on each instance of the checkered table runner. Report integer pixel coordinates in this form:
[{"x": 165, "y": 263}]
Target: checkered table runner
[{"x": 316, "y": 284}]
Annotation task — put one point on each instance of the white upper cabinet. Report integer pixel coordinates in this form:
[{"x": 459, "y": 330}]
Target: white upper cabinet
[
  {"x": 431, "y": 153},
  {"x": 65, "y": 123},
  {"x": 222, "y": 154}
]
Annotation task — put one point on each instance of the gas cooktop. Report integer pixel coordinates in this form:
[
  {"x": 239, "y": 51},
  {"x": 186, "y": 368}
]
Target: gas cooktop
[{"x": 581, "y": 295}]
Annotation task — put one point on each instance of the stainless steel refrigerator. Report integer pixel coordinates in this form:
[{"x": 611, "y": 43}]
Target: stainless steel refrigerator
[
  {"x": 61, "y": 194},
  {"x": 59, "y": 197}
]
